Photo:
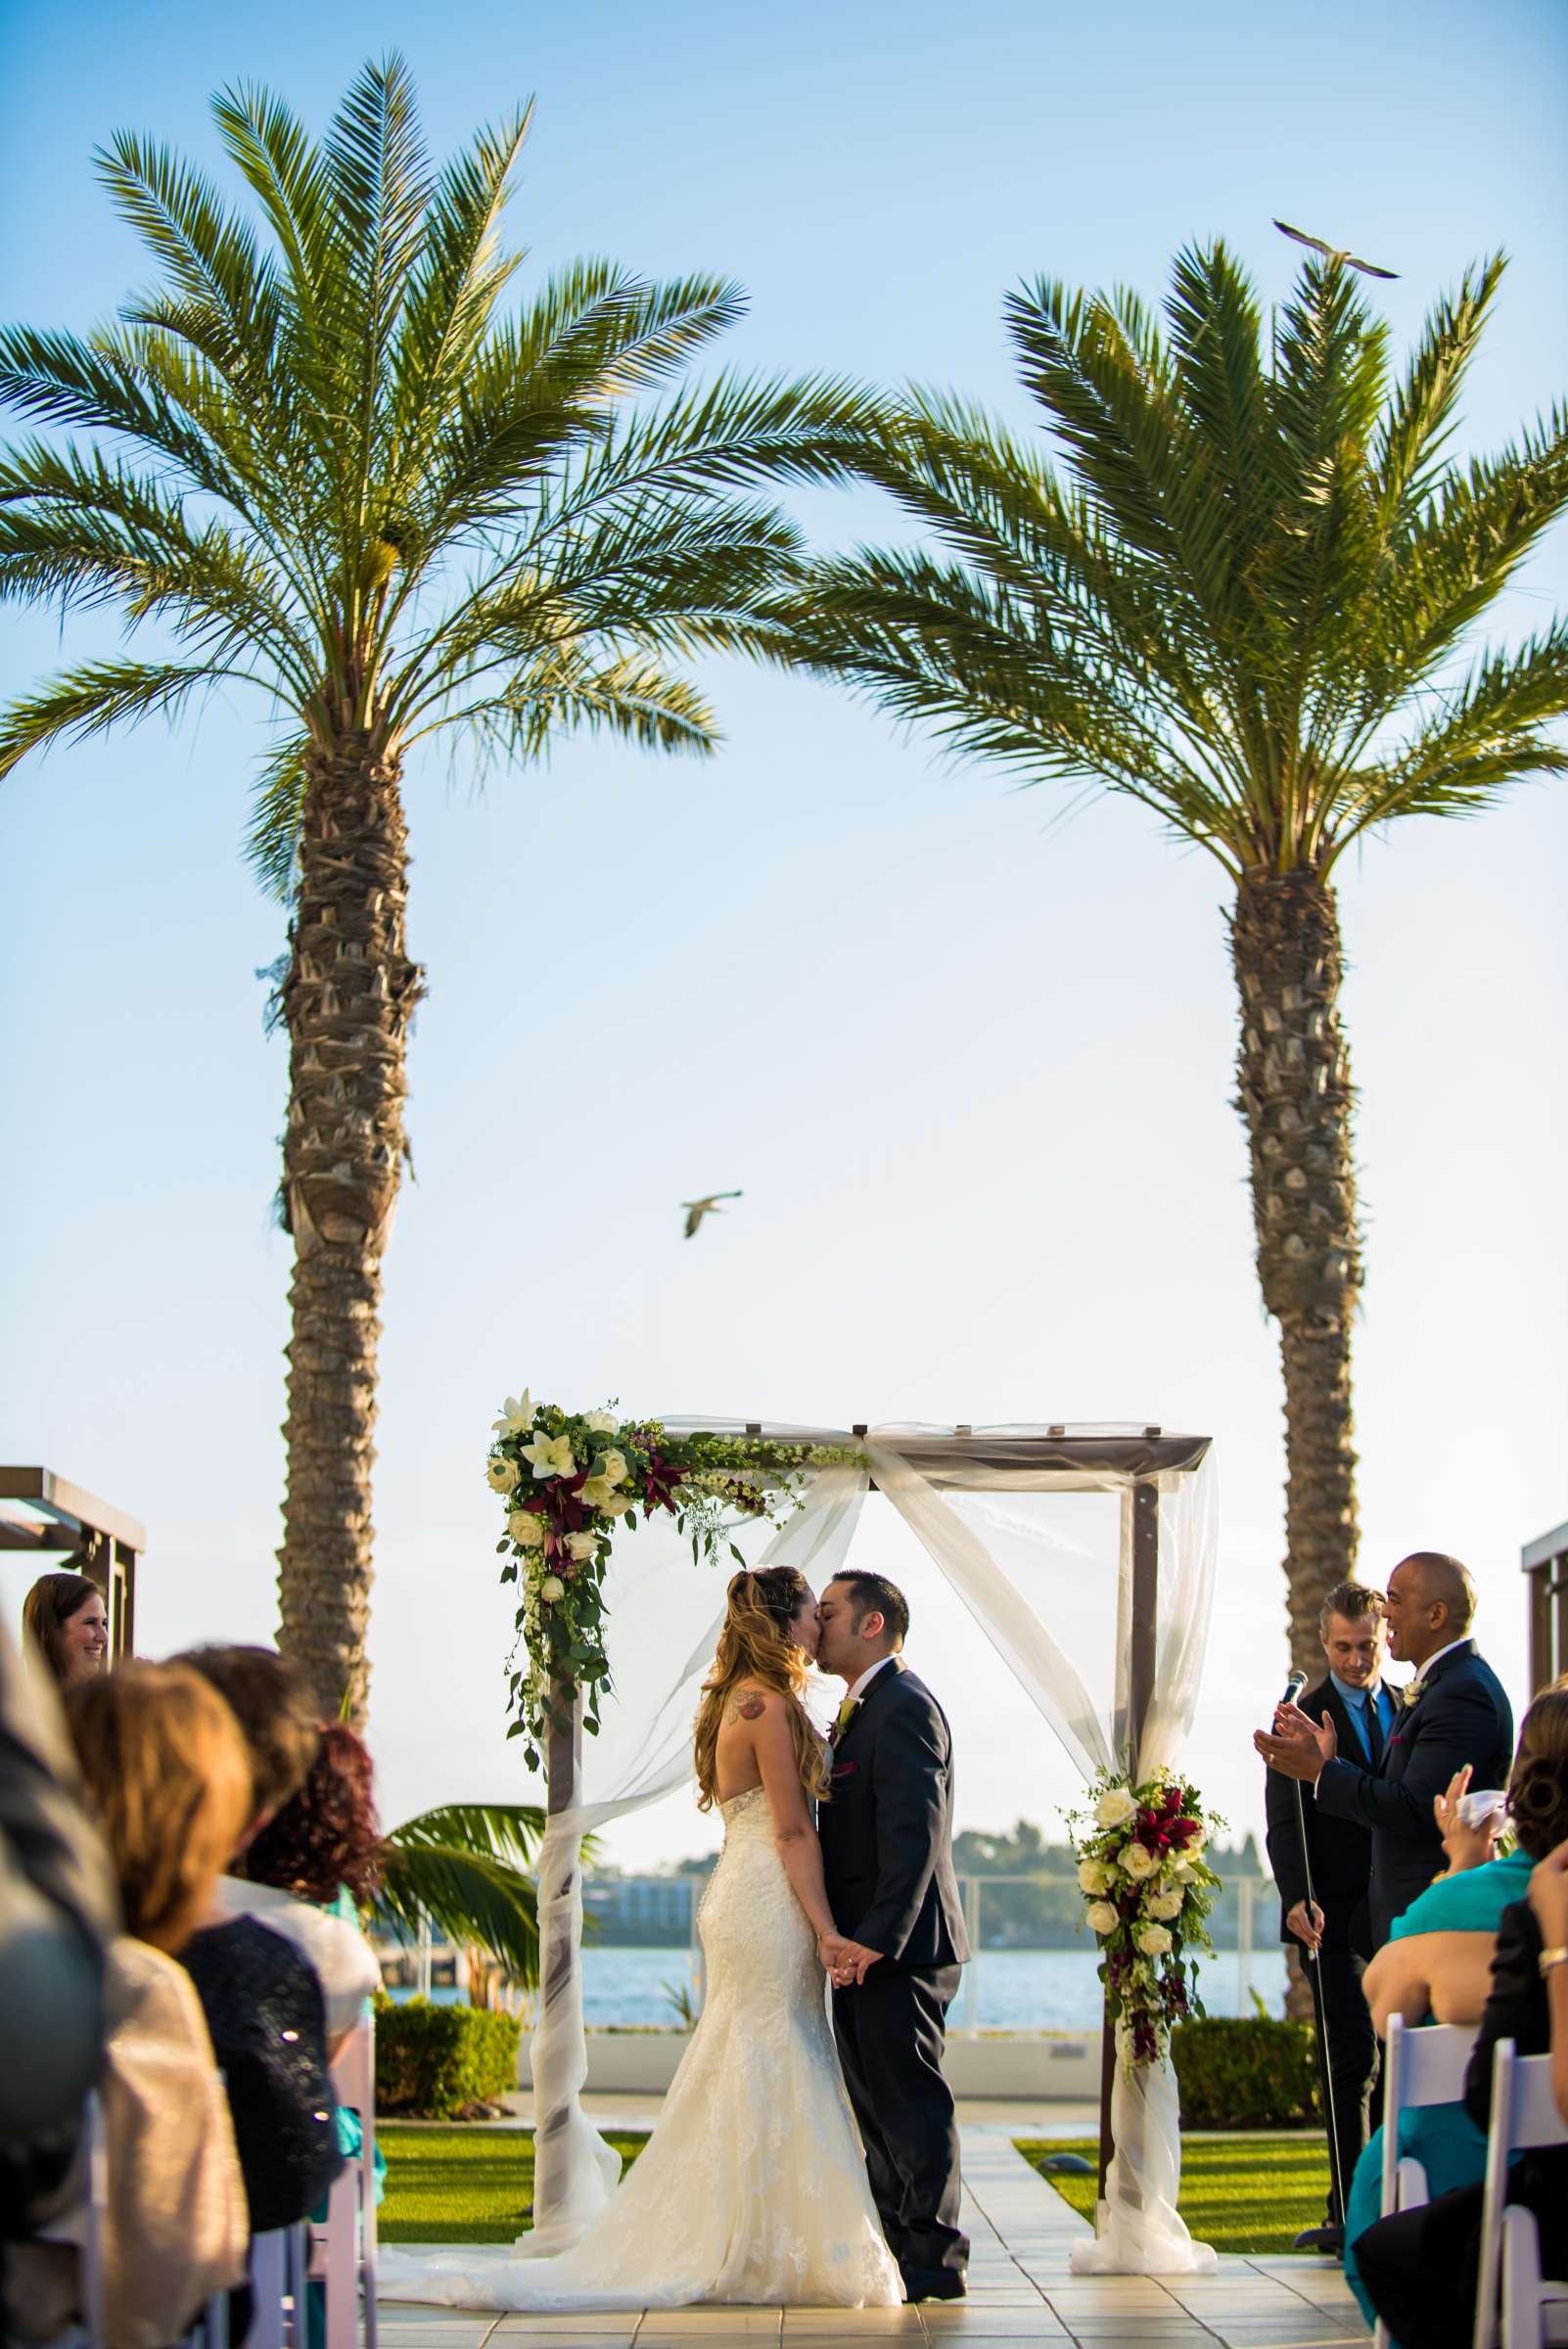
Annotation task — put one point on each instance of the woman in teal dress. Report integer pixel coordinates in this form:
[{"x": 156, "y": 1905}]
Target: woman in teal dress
[{"x": 1435, "y": 1967}]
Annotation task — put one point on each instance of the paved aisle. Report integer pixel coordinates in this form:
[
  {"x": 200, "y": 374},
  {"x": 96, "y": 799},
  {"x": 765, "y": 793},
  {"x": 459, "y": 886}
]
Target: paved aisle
[{"x": 1019, "y": 2290}]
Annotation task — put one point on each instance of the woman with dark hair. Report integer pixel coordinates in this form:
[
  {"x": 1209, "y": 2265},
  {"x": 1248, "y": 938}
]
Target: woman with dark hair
[
  {"x": 1443, "y": 1965},
  {"x": 66, "y": 1625},
  {"x": 754, "y": 2188},
  {"x": 310, "y": 1867}
]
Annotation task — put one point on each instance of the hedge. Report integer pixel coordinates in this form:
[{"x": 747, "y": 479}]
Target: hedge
[
  {"x": 1252, "y": 2072},
  {"x": 439, "y": 2063}
]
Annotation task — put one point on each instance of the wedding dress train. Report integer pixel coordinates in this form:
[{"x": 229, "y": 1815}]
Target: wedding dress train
[{"x": 753, "y": 2187}]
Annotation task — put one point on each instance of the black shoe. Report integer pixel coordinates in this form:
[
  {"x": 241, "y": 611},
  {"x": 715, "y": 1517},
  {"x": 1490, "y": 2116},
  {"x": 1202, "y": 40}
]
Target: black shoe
[
  {"x": 1328, "y": 2239},
  {"x": 934, "y": 2284}
]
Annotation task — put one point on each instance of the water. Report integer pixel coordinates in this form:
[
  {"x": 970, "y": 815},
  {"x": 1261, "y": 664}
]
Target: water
[{"x": 1004, "y": 1990}]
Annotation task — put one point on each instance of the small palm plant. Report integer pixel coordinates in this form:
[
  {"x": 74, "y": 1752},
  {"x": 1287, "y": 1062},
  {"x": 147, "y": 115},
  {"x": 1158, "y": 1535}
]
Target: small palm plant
[
  {"x": 1243, "y": 597},
  {"x": 462, "y": 1871},
  {"x": 325, "y": 461}
]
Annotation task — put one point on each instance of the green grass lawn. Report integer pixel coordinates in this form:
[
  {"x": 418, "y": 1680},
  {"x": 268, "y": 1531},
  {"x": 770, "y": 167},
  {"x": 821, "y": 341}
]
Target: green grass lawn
[
  {"x": 463, "y": 2186},
  {"x": 1240, "y": 2193}
]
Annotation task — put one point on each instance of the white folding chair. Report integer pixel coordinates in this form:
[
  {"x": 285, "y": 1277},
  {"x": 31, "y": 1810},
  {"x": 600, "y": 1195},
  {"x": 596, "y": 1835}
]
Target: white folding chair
[
  {"x": 1524, "y": 2115},
  {"x": 211, "y": 2328},
  {"x": 344, "y": 2249},
  {"x": 278, "y": 2262},
  {"x": 1422, "y": 2066}
]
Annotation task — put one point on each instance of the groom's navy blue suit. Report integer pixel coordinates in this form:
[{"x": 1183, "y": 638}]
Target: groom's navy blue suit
[{"x": 887, "y": 1857}]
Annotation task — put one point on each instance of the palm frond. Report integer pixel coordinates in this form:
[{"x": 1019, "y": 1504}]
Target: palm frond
[
  {"x": 98, "y": 696},
  {"x": 272, "y": 836},
  {"x": 466, "y": 1896}
]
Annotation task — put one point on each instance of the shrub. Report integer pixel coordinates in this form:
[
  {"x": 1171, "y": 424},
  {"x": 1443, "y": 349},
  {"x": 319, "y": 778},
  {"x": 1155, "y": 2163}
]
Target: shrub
[
  {"x": 1250, "y": 2073},
  {"x": 439, "y": 2063}
]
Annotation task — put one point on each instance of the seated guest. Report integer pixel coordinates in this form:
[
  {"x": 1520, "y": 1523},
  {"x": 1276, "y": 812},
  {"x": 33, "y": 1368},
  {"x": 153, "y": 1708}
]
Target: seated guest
[
  {"x": 1437, "y": 1966},
  {"x": 309, "y": 1869},
  {"x": 59, "y": 1911},
  {"x": 165, "y": 1779},
  {"x": 1419, "y": 2267},
  {"x": 65, "y": 1628},
  {"x": 263, "y": 2000}
]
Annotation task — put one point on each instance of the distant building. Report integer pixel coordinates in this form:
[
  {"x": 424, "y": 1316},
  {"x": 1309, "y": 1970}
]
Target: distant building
[{"x": 641, "y": 1912}]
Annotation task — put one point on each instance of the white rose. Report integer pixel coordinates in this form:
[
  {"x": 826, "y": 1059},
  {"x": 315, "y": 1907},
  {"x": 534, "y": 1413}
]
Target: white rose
[
  {"x": 582, "y": 1546},
  {"x": 1152, "y": 1940},
  {"x": 599, "y": 1423},
  {"x": 1102, "y": 1917},
  {"x": 1195, "y": 1849},
  {"x": 1115, "y": 1808},
  {"x": 553, "y": 1588},
  {"x": 1093, "y": 1876},
  {"x": 613, "y": 1469},
  {"x": 502, "y": 1476},
  {"x": 615, "y": 1505},
  {"x": 1139, "y": 1862},
  {"x": 1168, "y": 1904},
  {"x": 524, "y": 1527}
]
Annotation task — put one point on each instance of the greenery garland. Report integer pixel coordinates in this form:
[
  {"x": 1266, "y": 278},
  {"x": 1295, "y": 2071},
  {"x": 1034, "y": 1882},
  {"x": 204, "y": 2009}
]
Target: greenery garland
[
  {"x": 1140, "y": 1868},
  {"x": 568, "y": 1481}
]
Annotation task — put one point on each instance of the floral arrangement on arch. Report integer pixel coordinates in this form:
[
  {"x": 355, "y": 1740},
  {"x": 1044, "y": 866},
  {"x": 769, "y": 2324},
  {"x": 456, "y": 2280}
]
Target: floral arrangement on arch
[
  {"x": 1140, "y": 1868},
  {"x": 569, "y": 1482}
]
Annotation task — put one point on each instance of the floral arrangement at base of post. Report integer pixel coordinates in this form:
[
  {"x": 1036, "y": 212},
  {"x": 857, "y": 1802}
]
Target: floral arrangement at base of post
[
  {"x": 567, "y": 1481},
  {"x": 1140, "y": 1868}
]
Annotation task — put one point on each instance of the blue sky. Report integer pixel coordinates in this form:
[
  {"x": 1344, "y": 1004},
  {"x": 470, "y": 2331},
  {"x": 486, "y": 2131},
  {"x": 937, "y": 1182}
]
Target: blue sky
[{"x": 971, "y": 1066}]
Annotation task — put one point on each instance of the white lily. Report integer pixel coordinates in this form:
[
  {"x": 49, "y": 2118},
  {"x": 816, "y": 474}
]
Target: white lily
[
  {"x": 516, "y": 1416},
  {"x": 551, "y": 1455}
]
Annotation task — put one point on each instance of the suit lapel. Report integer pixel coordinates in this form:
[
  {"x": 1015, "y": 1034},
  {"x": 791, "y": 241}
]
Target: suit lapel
[{"x": 883, "y": 1679}]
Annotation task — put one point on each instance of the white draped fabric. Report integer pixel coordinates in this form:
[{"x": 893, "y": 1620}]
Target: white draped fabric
[{"x": 1027, "y": 1526}]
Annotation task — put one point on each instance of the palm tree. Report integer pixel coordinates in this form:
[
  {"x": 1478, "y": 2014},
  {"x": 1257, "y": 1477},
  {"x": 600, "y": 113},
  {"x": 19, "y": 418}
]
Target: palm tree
[
  {"x": 461, "y": 1870},
  {"x": 1242, "y": 598},
  {"x": 325, "y": 459}
]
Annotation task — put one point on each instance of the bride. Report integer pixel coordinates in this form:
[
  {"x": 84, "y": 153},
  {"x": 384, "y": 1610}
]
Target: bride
[{"x": 752, "y": 2189}]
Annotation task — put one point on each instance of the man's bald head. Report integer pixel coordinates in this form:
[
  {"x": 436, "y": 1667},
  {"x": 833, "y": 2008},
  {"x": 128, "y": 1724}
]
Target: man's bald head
[{"x": 1431, "y": 1602}]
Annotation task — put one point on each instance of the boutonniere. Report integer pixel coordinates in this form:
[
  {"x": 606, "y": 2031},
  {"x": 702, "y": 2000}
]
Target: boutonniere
[
  {"x": 846, "y": 1712},
  {"x": 1411, "y": 1693}
]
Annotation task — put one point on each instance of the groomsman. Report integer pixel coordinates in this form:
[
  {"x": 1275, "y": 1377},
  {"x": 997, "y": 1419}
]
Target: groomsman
[
  {"x": 1454, "y": 1711},
  {"x": 1336, "y": 1925}
]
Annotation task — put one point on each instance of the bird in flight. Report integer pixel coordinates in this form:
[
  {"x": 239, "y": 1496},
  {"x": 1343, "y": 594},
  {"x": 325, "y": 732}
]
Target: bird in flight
[
  {"x": 1333, "y": 253},
  {"x": 696, "y": 1208}
]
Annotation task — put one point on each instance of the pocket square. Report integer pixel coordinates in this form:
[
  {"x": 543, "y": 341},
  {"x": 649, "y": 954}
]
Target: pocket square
[{"x": 844, "y": 1770}]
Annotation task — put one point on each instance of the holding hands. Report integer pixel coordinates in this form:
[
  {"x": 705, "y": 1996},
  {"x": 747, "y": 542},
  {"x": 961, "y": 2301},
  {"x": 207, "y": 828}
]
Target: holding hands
[{"x": 845, "y": 1961}]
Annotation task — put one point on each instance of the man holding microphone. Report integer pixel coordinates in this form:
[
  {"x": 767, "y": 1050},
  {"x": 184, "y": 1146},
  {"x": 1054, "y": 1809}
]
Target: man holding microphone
[{"x": 1334, "y": 1926}]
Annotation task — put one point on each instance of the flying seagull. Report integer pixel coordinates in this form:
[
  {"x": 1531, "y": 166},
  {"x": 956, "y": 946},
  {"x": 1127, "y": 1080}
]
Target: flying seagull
[
  {"x": 696, "y": 1208},
  {"x": 1333, "y": 253}
]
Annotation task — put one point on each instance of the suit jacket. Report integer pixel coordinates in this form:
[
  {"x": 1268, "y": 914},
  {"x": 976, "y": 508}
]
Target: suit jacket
[
  {"x": 1462, "y": 1714},
  {"x": 887, "y": 1826},
  {"x": 1339, "y": 1849}
]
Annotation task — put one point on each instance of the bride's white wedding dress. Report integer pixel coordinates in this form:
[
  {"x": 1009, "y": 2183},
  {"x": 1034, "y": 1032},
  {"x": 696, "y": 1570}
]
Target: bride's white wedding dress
[{"x": 752, "y": 2189}]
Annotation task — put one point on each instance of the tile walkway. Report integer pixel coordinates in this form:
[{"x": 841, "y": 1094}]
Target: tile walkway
[{"x": 1020, "y": 2289}]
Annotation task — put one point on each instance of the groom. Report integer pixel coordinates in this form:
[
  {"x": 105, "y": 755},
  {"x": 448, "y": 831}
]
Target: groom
[{"x": 887, "y": 1856}]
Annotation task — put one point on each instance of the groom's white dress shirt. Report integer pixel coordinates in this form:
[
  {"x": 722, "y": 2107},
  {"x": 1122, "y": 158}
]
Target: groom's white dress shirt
[{"x": 866, "y": 1680}]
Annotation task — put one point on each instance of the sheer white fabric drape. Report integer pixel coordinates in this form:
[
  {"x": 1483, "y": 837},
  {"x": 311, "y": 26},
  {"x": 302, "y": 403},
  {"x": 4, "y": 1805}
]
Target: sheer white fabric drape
[{"x": 1009, "y": 1540}]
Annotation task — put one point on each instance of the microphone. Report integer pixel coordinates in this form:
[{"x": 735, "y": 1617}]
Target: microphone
[{"x": 1293, "y": 1688}]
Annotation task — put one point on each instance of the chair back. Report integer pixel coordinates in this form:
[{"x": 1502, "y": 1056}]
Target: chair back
[
  {"x": 344, "y": 2247},
  {"x": 1524, "y": 2116},
  {"x": 1423, "y": 2066}
]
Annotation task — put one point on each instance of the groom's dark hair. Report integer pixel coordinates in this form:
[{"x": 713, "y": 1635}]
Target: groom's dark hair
[{"x": 873, "y": 1593}]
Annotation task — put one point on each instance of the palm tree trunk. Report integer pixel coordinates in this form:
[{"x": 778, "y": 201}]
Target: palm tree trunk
[
  {"x": 348, "y": 998},
  {"x": 1297, "y": 1099}
]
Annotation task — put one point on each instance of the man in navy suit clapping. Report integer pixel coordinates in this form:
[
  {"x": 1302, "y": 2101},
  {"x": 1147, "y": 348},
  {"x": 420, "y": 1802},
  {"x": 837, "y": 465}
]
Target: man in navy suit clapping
[{"x": 1455, "y": 1713}]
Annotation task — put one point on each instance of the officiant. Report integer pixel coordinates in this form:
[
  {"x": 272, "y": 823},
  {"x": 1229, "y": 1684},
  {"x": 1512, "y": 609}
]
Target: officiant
[
  {"x": 1454, "y": 1712},
  {"x": 1335, "y": 1927}
]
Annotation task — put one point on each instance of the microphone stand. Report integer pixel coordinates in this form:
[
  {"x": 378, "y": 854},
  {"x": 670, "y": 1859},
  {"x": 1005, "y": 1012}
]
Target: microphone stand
[{"x": 1325, "y": 2076}]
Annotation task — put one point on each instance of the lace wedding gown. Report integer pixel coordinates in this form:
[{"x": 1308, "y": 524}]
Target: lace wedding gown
[{"x": 752, "y": 2189}]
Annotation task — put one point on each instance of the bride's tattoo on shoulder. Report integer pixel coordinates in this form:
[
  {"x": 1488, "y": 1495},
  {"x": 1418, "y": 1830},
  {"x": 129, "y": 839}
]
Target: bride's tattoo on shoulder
[{"x": 748, "y": 1705}]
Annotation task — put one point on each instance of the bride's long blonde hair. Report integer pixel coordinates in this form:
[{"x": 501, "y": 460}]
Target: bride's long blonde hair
[{"x": 755, "y": 1643}]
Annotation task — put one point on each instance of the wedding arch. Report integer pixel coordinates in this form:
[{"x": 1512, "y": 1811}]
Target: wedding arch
[{"x": 987, "y": 1505}]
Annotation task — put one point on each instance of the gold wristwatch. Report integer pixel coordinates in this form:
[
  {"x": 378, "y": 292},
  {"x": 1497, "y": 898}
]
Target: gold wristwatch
[{"x": 1550, "y": 1957}]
